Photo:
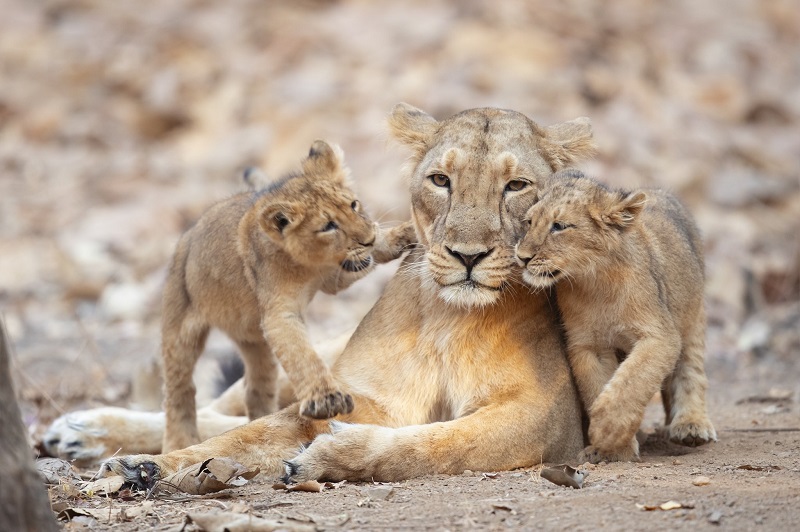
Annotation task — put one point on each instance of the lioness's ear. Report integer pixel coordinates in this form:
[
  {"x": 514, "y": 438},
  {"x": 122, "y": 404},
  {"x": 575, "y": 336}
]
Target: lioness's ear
[
  {"x": 569, "y": 142},
  {"x": 324, "y": 159},
  {"x": 411, "y": 126},
  {"x": 274, "y": 218},
  {"x": 625, "y": 208}
]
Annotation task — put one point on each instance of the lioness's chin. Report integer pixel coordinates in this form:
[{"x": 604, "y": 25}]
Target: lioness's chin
[
  {"x": 469, "y": 294},
  {"x": 540, "y": 279}
]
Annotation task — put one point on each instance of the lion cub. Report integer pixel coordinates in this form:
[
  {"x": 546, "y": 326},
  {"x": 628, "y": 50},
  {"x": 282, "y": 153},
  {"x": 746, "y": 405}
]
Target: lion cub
[
  {"x": 249, "y": 267},
  {"x": 629, "y": 273}
]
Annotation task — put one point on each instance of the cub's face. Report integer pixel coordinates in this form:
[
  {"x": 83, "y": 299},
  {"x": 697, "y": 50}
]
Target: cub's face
[
  {"x": 475, "y": 175},
  {"x": 575, "y": 227},
  {"x": 316, "y": 218}
]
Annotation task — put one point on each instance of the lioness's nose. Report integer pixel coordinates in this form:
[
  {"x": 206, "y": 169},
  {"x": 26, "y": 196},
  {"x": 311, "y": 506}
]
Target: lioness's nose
[{"x": 469, "y": 260}]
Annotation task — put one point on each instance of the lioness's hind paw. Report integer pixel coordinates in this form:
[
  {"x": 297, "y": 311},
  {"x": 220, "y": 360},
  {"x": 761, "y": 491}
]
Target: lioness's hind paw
[
  {"x": 137, "y": 470},
  {"x": 692, "y": 434},
  {"x": 327, "y": 405}
]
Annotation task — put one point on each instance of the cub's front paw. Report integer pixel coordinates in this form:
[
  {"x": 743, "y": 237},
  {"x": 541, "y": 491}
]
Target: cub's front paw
[
  {"x": 595, "y": 455},
  {"x": 326, "y": 405},
  {"x": 613, "y": 428},
  {"x": 692, "y": 433}
]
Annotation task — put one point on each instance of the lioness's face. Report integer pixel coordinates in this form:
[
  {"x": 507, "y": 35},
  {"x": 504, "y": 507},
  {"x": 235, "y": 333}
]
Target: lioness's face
[{"x": 474, "y": 178}]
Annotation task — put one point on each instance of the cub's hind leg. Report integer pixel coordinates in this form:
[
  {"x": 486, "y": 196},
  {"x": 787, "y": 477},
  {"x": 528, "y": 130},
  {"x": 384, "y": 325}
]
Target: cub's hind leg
[
  {"x": 183, "y": 338},
  {"x": 685, "y": 391},
  {"x": 260, "y": 378}
]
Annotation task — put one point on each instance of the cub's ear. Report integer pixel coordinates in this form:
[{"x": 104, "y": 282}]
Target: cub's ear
[
  {"x": 411, "y": 126},
  {"x": 325, "y": 160},
  {"x": 275, "y": 218},
  {"x": 624, "y": 208},
  {"x": 569, "y": 142}
]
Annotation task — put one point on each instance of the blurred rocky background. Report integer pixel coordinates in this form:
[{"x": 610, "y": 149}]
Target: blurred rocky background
[{"x": 120, "y": 122}]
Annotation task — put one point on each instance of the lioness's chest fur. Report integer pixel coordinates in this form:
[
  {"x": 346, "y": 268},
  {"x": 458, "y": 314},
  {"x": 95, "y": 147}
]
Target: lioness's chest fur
[{"x": 444, "y": 362}]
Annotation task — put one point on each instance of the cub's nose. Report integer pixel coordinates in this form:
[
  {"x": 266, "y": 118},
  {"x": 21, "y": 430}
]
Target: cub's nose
[{"x": 524, "y": 260}]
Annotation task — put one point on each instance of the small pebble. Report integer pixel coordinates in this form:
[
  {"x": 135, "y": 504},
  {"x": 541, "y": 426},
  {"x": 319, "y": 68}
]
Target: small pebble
[{"x": 701, "y": 481}]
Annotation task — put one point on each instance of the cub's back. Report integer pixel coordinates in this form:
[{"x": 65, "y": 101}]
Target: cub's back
[{"x": 675, "y": 246}]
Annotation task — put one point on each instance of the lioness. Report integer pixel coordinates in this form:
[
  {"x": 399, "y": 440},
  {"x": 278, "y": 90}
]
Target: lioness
[
  {"x": 459, "y": 365},
  {"x": 249, "y": 267},
  {"x": 629, "y": 273}
]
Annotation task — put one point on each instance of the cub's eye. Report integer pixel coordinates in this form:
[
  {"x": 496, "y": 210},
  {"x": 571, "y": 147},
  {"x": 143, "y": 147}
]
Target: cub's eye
[
  {"x": 516, "y": 185},
  {"x": 558, "y": 226},
  {"x": 330, "y": 226},
  {"x": 440, "y": 180},
  {"x": 355, "y": 205}
]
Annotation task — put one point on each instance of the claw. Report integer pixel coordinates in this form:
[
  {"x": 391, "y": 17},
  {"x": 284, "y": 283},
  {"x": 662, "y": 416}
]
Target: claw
[{"x": 291, "y": 470}]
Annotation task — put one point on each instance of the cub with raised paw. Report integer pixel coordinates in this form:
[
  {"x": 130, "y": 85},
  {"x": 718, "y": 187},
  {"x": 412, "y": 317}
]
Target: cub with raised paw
[
  {"x": 628, "y": 270},
  {"x": 249, "y": 267}
]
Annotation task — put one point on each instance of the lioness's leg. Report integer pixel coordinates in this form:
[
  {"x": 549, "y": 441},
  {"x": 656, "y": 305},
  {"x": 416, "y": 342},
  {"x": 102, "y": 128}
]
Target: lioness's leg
[
  {"x": 264, "y": 442},
  {"x": 494, "y": 438},
  {"x": 260, "y": 378},
  {"x": 686, "y": 392},
  {"x": 182, "y": 343}
]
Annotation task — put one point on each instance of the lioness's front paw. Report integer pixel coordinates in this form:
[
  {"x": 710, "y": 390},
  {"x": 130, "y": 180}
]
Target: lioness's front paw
[
  {"x": 692, "y": 433},
  {"x": 326, "y": 405},
  {"x": 339, "y": 456},
  {"x": 595, "y": 455}
]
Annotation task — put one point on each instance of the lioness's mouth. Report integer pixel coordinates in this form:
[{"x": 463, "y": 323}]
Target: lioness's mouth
[
  {"x": 352, "y": 266},
  {"x": 469, "y": 283},
  {"x": 551, "y": 273}
]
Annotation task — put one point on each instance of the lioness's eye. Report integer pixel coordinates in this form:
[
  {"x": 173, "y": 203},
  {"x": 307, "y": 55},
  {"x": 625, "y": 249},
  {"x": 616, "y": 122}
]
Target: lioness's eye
[
  {"x": 330, "y": 226},
  {"x": 558, "y": 226},
  {"x": 354, "y": 205},
  {"x": 440, "y": 180},
  {"x": 516, "y": 185}
]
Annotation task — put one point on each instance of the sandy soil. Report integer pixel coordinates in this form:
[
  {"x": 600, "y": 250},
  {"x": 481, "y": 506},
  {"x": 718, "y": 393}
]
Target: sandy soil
[{"x": 120, "y": 122}]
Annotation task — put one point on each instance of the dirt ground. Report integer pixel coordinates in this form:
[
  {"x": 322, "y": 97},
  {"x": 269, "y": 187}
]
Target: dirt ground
[{"x": 120, "y": 122}]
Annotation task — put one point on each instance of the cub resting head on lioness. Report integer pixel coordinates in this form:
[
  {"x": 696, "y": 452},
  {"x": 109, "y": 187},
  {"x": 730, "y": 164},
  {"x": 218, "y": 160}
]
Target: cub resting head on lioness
[
  {"x": 628, "y": 266},
  {"x": 458, "y": 365},
  {"x": 249, "y": 267}
]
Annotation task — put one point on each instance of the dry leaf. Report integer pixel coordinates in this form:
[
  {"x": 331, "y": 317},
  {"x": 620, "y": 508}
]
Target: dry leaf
[
  {"x": 701, "y": 481},
  {"x": 210, "y": 476},
  {"x": 108, "y": 515},
  {"x": 564, "y": 475},
  {"x": 669, "y": 505},
  {"x": 309, "y": 485},
  {"x": 56, "y": 471},
  {"x": 748, "y": 467},
  {"x": 377, "y": 493},
  {"x": 236, "y": 522},
  {"x": 504, "y": 507},
  {"x": 104, "y": 486}
]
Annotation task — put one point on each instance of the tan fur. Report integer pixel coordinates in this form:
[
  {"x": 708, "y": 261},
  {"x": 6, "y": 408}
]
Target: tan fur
[
  {"x": 458, "y": 366},
  {"x": 249, "y": 267},
  {"x": 629, "y": 273}
]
